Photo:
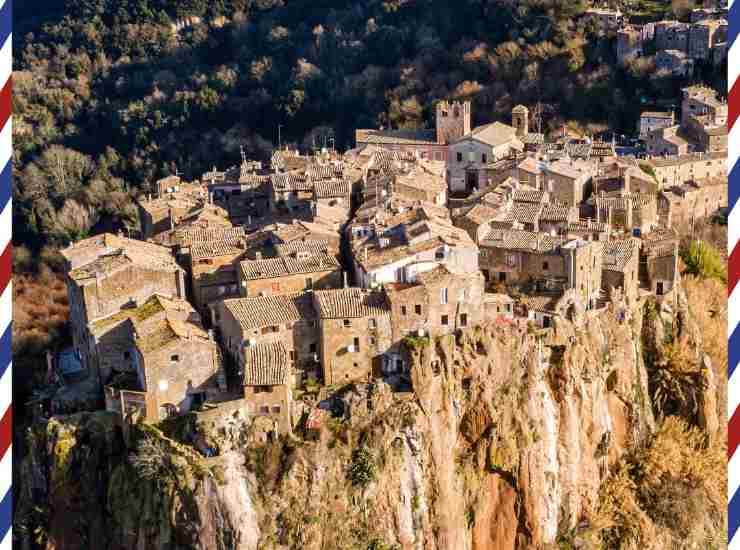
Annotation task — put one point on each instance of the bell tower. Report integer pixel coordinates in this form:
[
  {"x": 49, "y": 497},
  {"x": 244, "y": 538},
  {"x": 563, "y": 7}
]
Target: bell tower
[
  {"x": 453, "y": 120},
  {"x": 520, "y": 120}
]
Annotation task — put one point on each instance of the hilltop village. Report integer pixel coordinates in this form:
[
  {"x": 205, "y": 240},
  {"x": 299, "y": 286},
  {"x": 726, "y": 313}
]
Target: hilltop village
[{"x": 266, "y": 287}]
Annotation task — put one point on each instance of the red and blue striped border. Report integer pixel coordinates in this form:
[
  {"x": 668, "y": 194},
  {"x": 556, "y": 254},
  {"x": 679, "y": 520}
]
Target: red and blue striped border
[
  {"x": 733, "y": 308},
  {"x": 6, "y": 292}
]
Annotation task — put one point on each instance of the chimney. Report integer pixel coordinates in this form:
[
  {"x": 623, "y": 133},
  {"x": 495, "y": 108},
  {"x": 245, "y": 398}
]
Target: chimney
[{"x": 344, "y": 277}]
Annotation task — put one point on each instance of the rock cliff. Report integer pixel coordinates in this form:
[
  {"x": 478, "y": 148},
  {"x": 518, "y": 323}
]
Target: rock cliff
[{"x": 505, "y": 443}]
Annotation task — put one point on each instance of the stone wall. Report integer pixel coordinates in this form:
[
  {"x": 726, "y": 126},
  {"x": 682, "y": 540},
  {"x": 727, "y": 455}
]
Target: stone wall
[{"x": 370, "y": 337}]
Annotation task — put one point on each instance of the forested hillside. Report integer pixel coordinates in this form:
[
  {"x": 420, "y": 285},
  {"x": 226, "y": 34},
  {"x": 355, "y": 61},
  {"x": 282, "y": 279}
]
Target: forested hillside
[{"x": 110, "y": 94}]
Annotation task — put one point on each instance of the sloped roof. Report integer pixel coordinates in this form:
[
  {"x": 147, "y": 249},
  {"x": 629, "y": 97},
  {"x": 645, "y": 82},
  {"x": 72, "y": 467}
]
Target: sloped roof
[
  {"x": 522, "y": 240},
  {"x": 493, "y": 134},
  {"x": 346, "y": 303},
  {"x": 262, "y": 311},
  {"x": 266, "y": 364},
  {"x": 287, "y": 265}
]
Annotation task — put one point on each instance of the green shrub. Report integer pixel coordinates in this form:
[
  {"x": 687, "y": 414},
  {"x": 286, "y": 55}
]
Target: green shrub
[
  {"x": 702, "y": 260},
  {"x": 362, "y": 470}
]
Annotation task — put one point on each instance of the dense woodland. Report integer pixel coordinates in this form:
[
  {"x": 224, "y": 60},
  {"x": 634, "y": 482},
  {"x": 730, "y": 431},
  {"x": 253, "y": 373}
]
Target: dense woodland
[{"x": 110, "y": 94}]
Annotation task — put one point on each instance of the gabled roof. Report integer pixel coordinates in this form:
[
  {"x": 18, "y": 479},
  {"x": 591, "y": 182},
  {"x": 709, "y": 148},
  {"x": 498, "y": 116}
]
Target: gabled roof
[
  {"x": 493, "y": 134},
  {"x": 287, "y": 265},
  {"x": 617, "y": 254},
  {"x": 265, "y": 364},
  {"x": 528, "y": 241},
  {"x": 347, "y": 303},
  {"x": 262, "y": 311}
]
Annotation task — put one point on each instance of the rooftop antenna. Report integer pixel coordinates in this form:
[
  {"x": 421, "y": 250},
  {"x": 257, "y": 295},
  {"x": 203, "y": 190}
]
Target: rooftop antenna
[{"x": 280, "y": 141}]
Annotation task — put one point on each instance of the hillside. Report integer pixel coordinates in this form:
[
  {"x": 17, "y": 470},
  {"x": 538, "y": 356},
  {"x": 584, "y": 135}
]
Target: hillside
[{"x": 112, "y": 94}]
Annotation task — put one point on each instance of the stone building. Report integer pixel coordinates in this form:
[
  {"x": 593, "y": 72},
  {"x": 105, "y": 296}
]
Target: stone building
[
  {"x": 267, "y": 384},
  {"x": 289, "y": 274},
  {"x": 701, "y": 100},
  {"x": 520, "y": 120},
  {"x": 453, "y": 120},
  {"x": 498, "y": 306},
  {"x": 678, "y": 170},
  {"x": 629, "y": 44},
  {"x": 286, "y": 318},
  {"x": 567, "y": 181},
  {"x": 111, "y": 338},
  {"x": 620, "y": 267},
  {"x": 672, "y": 35},
  {"x": 667, "y": 141},
  {"x": 627, "y": 210},
  {"x": 107, "y": 273},
  {"x": 530, "y": 172},
  {"x": 214, "y": 271},
  {"x": 418, "y": 244},
  {"x": 692, "y": 201},
  {"x": 471, "y": 154},
  {"x": 703, "y": 36},
  {"x": 705, "y": 134},
  {"x": 420, "y": 184},
  {"x": 175, "y": 364},
  {"x": 436, "y": 302},
  {"x": 355, "y": 334},
  {"x": 476, "y": 221},
  {"x": 545, "y": 262},
  {"x": 654, "y": 120},
  {"x": 659, "y": 261}
]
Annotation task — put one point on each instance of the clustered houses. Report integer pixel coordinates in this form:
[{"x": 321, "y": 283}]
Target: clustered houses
[
  {"x": 320, "y": 268},
  {"x": 703, "y": 39},
  {"x": 703, "y": 126}
]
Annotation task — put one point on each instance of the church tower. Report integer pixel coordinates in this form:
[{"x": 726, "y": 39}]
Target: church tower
[{"x": 453, "y": 120}]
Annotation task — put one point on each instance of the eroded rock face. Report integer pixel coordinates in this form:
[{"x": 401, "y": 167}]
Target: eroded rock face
[{"x": 503, "y": 445}]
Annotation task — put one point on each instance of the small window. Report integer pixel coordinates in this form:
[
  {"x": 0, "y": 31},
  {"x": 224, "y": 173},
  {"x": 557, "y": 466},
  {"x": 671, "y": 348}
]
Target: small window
[
  {"x": 174, "y": 358},
  {"x": 463, "y": 319},
  {"x": 347, "y": 323},
  {"x": 264, "y": 409},
  {"x": 545, "y": 266},
  {"x": 471, "y": 156},
  {"x": 403, "y": 310},
  {"x": 417, "y": 309},
  {"x": 357, "y": 344},
  {"x": 276, "y": 287},
  {"x": 309, "y": 283},
  {"x": 445, "y": 320},
  {"x": 355, "y": 365},
  {"x": 484, "y": 158},
  {"x": 443, "y": 296},
  {"x": 372, "y": 324},
  {"x": 127, "y": 355},
  {"x": 292, "y": 355},
  {"x": 459, "y": 157},
  {"x": 276, "y": 408},
  {"x": 372, "y": 340},
  {"x": 312, "y": 348}
]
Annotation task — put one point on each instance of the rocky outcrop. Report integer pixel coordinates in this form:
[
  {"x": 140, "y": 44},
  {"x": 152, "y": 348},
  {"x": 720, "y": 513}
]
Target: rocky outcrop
[{"x": 504, "y": 444}]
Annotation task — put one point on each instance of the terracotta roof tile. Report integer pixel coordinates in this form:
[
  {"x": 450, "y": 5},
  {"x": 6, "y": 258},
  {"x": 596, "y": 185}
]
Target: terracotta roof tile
[
  {"x": 287, "y": 265},
  {"x": 350, "y": 303},
  {"x": 266, "y": 364},
  {"x": 264, "y": 311}
]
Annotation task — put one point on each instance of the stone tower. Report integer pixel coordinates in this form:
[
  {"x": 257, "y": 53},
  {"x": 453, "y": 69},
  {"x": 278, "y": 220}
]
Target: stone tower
[
  {"x": 520, "y": 120},
  {"x": 453, "y": 120}
]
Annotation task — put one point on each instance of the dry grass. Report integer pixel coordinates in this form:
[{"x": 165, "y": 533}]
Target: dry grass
[
  {"x": 40, "y": 311},
  {"x": 670, "y": 492}
]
